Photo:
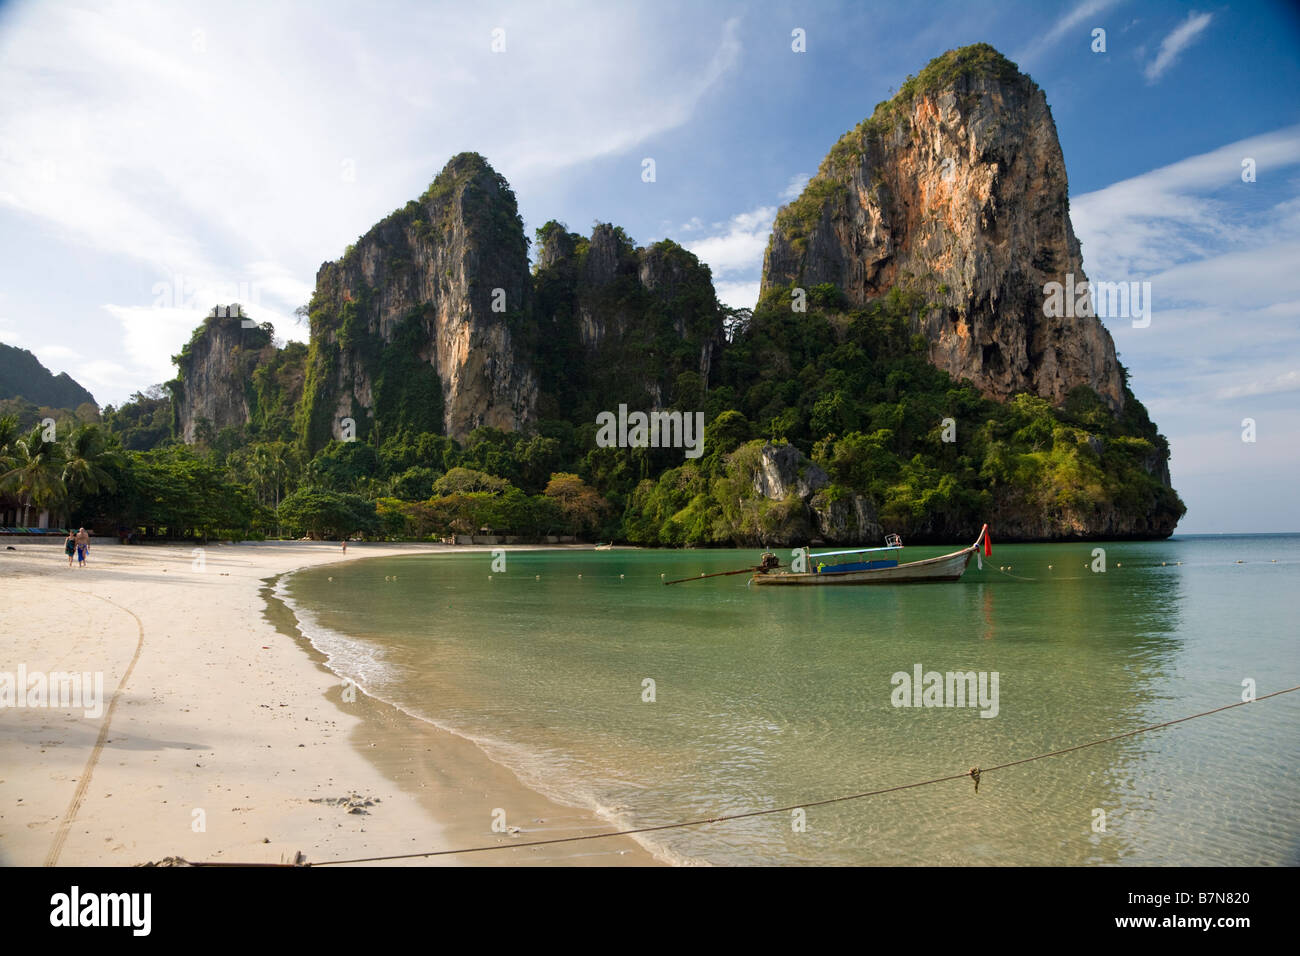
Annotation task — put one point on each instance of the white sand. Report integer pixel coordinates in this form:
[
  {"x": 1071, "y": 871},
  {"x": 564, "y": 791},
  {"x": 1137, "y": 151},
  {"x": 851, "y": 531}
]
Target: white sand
[{"x": 224, "y": 713}]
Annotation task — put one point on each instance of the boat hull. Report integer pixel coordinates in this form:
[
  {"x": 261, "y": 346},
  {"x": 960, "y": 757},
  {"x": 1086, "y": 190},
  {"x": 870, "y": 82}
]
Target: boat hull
[{"x": 948, "y": 567}]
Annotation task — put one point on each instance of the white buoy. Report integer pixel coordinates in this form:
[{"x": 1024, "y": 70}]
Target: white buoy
[
  {"x": 579, "y": 577},
  {"x": 620, "y": 577}
]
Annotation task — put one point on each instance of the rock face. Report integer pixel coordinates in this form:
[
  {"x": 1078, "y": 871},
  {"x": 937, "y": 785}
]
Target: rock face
[
  {"x": 956, "y": 188},
  {"x": 433, "y": 323},
  {"x": 618, "y": 323},
  {"x": 214, "y": 387},
  {"x": 783, "y": 471},
  {"x": 422, "y": 323}
]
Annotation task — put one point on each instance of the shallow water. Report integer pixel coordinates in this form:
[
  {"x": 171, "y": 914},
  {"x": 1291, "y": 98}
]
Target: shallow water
[{"x": 776, "y": 697}]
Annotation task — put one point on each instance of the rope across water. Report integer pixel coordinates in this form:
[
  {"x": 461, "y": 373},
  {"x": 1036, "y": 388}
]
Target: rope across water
[{"x": 975, "y": 773}]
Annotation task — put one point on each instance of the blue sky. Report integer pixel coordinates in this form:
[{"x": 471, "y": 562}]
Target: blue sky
[{"x": 157, "y": 157}]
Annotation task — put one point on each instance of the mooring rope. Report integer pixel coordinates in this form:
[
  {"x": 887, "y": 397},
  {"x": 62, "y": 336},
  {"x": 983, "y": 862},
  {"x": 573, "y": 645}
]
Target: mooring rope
[{"x": 975, "y": 773}]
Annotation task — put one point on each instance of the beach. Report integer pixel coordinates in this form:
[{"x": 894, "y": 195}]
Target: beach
[{"x": 219, "y": 734}]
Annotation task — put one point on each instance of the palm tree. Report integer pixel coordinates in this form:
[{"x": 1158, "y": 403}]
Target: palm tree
[
  {"x": 269, "y": 465},
  {"x": 8, "y": 434},
  {"x": 86, "y": 459},
  {"x": 33, "y": 470}
]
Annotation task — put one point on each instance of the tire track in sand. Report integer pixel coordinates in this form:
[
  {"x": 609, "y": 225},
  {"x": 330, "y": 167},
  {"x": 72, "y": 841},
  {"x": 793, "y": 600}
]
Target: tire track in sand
[{"x": 61, "y": 834}]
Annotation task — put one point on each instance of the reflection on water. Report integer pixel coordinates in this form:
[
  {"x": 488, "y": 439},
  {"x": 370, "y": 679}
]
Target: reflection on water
[{"x": 768, "y": 697}]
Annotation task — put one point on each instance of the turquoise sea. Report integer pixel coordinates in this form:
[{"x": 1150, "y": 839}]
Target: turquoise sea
[{"x": 775, "y": 697}]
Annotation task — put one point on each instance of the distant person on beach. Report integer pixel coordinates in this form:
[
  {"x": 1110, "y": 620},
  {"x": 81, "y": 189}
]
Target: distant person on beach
[
  {"x": 345, "y": 545},
  {"x": 70, "y": 546},
  {"x": 83, "y": 546}
]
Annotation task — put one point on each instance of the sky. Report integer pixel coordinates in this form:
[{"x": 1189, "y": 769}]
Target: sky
[{"x": 158, "y": 158}]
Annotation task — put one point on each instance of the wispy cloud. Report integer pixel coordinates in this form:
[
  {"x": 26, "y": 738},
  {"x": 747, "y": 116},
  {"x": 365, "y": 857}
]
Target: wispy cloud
[
  {"x": 246, "y": 147},
  {"x": 1286, "y": 382},
  {"x": 1174, "y": 44},
  {"x": 798, "y": 183},
  {"x": 1183, "y": 211},
  {"x": 739, "y": 246},
  {"x": 10, "y": 335},
  {"x": 1079, "y": 16},
  {"x": 1220, "y": 255}
]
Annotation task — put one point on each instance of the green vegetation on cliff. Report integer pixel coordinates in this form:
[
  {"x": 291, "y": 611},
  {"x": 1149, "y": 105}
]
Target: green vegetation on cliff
[
  {"x": 953, "y": 69},
  {"x": 23, "y": 377},
  {"x": 830, "y": 422},
  {"x": 853, "y": 391},
  {"x": 850, "y": 389}
]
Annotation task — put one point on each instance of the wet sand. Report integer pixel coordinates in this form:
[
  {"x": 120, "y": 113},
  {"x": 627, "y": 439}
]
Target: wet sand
[{"x": 229, "y": 740}]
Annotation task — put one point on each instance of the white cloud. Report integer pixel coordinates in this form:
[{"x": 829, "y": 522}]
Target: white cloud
[
  {"x": 151, "y": 336},
  {"x": 1285, "y": 382},
  {"x": 1151, "y": 222},
  {"x": 740, "y": 247},
  {"x": 738, "y": 295},
  {"x": 9, "y": 333},
  {"x": 51, "y": 354},
  {"x": 798, "y": 183},
  {"x": 226, "y": 158},
  {"x": 1177, "y": 41},
  {"x": 1078, "y": 17},
  {"x": 1225, "y": 328}
]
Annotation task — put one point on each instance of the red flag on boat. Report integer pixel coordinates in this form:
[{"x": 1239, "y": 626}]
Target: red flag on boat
[{"x": 988, "y": 543}]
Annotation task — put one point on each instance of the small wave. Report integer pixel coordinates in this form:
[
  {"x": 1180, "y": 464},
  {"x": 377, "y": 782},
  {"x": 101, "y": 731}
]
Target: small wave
[
  {"x": 351, "y": 658},
  {"x": 363, "y": 663}
]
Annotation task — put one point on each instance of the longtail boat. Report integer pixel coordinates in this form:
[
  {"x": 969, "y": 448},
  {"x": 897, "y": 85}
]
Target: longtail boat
[{"x": 854, "y": 568}]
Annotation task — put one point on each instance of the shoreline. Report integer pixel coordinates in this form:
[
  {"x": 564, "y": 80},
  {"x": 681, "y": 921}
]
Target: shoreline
[
  {"x": 230, "y": 740},
  {"x": 461, "y": 784}
]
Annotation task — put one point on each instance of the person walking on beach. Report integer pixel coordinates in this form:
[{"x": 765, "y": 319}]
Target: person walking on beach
[
  {"x": 70, "y": 546},
  {"x": 83, "y": 546}
]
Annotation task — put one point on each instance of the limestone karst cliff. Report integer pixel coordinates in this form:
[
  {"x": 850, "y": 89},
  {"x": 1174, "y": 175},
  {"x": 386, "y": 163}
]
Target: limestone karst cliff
[
  {"x": 924, "y": 389},
  {"x": 956, "y": 188},
  {"x": 419, "y": 324},
  {"x": 617, "y": 323},
  {"x": 231, "y": 374}
]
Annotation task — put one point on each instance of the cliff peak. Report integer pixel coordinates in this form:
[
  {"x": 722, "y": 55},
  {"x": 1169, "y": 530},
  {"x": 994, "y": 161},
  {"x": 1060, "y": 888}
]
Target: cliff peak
[
  {"x": 419, "y": 324},
  {"x": 956, "y": 189}
]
